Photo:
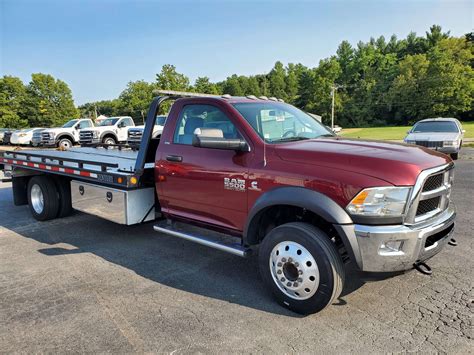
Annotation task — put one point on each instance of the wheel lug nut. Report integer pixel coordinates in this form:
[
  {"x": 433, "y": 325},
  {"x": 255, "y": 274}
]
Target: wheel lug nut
[
  {"x": 300, "y": 272},
  {"x": 290, "y": 260},
  {"x": 297, "y": 264},
  {"x": 288, "y": 284},
  {"x": 300, "y": 280},
  {"x": 279, "y": 264},
  {"x": 282, "y": 279},
  {"x": 283, "y": 259},
  {"x": 295, "y": 284},
  {"x": 279, "y": 272}
]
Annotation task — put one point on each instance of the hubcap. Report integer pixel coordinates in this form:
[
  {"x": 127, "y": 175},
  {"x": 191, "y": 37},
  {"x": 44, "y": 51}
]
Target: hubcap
[
  {"x": 109, "y": 141},
  {"x": 294, "y": 270},
  {"x": 37, "y": 200},
  {"x": 65, "y": 144}
]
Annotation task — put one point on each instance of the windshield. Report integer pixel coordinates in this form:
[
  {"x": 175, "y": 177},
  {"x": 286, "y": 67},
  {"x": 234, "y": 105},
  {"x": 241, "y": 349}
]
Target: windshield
[
  {"x": 70, "y": 123},
  {"x": 278, "y": 122},
  {"x": 160, "y": 120},
  {"x": 108, "y": 122},
  {"x": 435, "y": 126}
]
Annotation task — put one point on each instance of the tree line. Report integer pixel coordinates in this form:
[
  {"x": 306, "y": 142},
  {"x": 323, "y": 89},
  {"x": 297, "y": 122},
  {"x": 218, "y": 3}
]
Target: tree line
[{"x": 375, "y": 83}]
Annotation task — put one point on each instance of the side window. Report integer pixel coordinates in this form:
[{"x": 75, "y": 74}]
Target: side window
[
  {"x": 127, "y": 122},
  {"x": 85, "y": 124},
  {"x": 202, "y": 116}
]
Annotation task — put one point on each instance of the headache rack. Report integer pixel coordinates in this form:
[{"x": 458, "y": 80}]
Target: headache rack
[{"x": 60, "y": 162}]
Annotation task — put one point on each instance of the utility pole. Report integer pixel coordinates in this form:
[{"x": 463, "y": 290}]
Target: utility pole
[{"x": 333, "y": 93}]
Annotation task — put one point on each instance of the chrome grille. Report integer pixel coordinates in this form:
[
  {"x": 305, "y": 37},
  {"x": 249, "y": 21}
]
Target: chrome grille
[
  {"x": 430, "y": 144},
  {"x": 430, "y": 194},
  {"x": 433, "y": 182},
  {"x": 135, "y": 135},
  {"x": 428, "y": 205},
  {"x": 45, "y": 137},
  {"x": 85, "y": 137}
]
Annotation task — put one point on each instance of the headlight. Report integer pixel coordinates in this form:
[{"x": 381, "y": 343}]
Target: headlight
[
  {"x": 380, "y": 202},
  {"x": 95, "y": 134},
  {"x": 22, "y": 135},
  {"x": 448, "y": 143}
]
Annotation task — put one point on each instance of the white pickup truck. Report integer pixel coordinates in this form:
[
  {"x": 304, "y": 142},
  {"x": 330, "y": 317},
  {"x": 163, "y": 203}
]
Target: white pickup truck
[
  {"x": 112, "y": 130},
  {"x": 135, "y": 134},
  {"x": 67, "y": 135}
]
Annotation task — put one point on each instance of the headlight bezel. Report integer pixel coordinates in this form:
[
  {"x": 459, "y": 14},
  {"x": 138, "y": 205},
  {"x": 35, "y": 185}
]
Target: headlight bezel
[{"x": 369, "y": 203}]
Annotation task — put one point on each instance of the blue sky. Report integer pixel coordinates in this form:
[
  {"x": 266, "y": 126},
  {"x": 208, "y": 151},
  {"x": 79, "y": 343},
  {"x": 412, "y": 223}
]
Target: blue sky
[{"x": 97, "y": 46}]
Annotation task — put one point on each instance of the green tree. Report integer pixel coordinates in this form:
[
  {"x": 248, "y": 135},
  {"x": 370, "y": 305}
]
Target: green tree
[
  {"x": 135, "y": 99},
  {"x": 49, "y": 102},
  {"x": 170, "y": 79},
  {"x": 277, "y": 81},
  {"x": 203, "y": 85},
  {"x": 12, "y": 99}
]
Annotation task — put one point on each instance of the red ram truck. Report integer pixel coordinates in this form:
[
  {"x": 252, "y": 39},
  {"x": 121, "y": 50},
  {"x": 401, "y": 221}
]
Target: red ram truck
[{"x": 262, "y": 171}]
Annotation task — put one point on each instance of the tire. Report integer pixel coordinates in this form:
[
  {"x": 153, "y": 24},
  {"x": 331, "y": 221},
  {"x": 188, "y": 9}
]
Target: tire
[
  {"x": 65, "y": 203},
  {"x": 43, "y": 198},
  {"x": 109, "y": 140},
  {"x": 314, "y": 277},
  {"x": 455, "y": 156},
  {"x": 65, "y": 143}
]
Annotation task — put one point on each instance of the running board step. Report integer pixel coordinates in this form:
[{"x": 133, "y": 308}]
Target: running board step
[{"x": 228, "y": 248}]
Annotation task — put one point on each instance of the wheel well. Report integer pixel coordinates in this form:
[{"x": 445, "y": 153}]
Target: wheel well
[
  {"x": 65, "y": 136},
  {"x": 274, "y": 216},
  {"x": 109, "y": 135}
]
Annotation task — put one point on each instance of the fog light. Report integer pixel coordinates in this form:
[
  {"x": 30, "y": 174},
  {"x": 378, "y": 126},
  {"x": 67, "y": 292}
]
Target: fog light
[{"x": 391, "y": 247}]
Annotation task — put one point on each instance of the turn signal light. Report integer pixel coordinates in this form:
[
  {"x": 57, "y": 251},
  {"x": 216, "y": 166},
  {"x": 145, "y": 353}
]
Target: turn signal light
[{"x": 133, "y": 180}]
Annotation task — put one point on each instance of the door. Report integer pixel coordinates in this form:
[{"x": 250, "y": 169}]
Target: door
[
  {"x": 123, "y": 126},
  {"x": 207, "y": 185}
]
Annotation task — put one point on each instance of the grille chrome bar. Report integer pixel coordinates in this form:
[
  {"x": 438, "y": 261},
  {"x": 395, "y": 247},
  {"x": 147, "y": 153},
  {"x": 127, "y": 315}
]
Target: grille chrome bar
[{"x": 420, "y": 193}]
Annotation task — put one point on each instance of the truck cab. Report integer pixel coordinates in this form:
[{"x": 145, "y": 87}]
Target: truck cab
[
  {"x": 67, "y": 135},
  {"x": 111, "y": 130}
]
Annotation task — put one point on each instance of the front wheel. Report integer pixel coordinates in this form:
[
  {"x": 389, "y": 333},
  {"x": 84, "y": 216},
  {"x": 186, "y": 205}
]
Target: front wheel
[
  {"x": 109, "y": 140},
  {"x": 301, "y": 266},
  {"x": 455, "y": 156},
  {"x": 65, "y": 143}
]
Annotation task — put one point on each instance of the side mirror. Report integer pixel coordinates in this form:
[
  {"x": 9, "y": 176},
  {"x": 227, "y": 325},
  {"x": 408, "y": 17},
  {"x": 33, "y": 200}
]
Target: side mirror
[
  {"x": 213, "y": 138},
  {"x": 76, "y": 127}
]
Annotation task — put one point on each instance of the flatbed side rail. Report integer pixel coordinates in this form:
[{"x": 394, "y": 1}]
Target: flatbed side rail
[{"x": 48, "y": 165}]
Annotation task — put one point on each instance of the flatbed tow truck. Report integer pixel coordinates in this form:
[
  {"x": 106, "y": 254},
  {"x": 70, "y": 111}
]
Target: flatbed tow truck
[{"x": 262, "y": 171}]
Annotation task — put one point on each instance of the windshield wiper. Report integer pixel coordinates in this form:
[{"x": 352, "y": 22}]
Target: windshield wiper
[
  {"x": 326, "y": 135},
  {"x": 289, "y": 139}
]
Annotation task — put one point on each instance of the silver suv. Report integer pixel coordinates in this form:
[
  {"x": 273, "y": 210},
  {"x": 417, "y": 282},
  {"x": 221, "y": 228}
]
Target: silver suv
[{"x": 442, "y": 134}]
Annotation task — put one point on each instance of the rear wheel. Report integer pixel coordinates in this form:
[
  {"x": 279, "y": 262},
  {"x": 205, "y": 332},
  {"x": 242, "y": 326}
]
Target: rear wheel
[
  {"x": 65, "y": 143},
  {"x": 109, "y": 140},
  {"x": 302, "y": 267},
  {"x": 43, "y": 198},
  {"x": 64, "y": 189}
]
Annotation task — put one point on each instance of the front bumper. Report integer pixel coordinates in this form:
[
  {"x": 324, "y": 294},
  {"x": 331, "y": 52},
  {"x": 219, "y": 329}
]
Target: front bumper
[
  {"x": 413, "y": 243},
  {"x": 447, "y": 150}
]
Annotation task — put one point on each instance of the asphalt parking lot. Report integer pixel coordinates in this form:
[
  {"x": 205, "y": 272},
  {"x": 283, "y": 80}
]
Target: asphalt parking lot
[{"x": 83, "y": 284}]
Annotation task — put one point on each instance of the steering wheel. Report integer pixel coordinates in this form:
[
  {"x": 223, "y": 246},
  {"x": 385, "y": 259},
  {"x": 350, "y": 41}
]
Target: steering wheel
[{"x": 287, "y": 133}]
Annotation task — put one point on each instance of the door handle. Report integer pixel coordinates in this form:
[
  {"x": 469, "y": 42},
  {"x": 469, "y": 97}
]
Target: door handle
[{"x": 175, "y": 158}]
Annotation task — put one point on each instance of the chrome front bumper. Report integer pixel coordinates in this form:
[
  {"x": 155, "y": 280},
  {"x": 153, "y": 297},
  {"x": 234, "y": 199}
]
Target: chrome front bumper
[{"x": 398, "y": 247}]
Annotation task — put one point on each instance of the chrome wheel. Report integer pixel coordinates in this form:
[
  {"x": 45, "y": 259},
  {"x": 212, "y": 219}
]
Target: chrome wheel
[
  {"x": 37, "y": 199},
  {"x": 109, "y": 141},
  {"x": 65, "y": 143},
  {"x": 294, "y": 270}
]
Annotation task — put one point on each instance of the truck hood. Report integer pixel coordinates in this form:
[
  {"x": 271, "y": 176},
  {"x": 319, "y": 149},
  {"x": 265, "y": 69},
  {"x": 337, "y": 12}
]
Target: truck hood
[
  {"x": 59, "y": 130},
  {"x": 398, "y": 164},
  {"x": 433, "y": 137}
]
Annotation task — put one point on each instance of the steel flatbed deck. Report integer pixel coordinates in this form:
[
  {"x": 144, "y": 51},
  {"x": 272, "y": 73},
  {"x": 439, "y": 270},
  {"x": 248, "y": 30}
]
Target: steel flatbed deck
[{"x": 111, "y": 166}]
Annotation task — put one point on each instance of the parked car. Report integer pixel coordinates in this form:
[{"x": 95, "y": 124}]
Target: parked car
[
  {"x": 135, "y": 134},
  {"x": 112, "y": 130},
  {"x": 442, "y": 134},
  {"x": 24, "y": 136},
  {"x": 67, "y": 135},
  {"x": 2, "y": 133},
  {"x": 36, "y": 140}
]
